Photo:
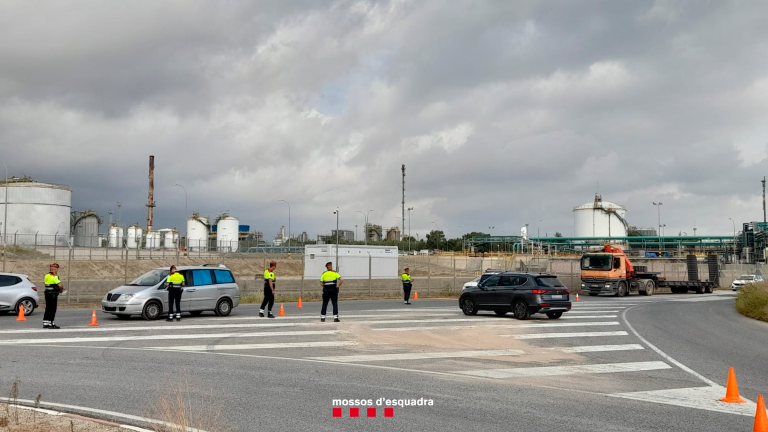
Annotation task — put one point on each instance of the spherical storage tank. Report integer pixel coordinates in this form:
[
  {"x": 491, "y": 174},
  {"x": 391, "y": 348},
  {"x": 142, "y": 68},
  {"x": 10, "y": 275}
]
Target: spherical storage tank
[
  {"x": 86, "y": 228},
  {"x": 227, "y": 233},
  {"x": 38, "y": 213},
  {"x": 197, "y": 233},
  {"x": 153, "y": 240},
  {"x": 133, "y": 237},
  {"x": 600, "y": 219},
  {"x": 115, "y": 236}
]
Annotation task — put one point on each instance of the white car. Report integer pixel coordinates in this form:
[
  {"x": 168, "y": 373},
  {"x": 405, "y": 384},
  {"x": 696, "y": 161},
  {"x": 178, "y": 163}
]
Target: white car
[
  {"x": 745, "y": 279},
  {"x": 17, "y": 291}
]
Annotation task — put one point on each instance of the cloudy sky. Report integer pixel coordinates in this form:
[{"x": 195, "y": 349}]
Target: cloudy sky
[{"x": 504, "y": 112}]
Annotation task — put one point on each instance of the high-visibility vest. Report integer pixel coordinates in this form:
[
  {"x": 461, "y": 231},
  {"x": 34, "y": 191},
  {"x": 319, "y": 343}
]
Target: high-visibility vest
[
  {"x": 268, "y": 275},
  {"x": 330, "y": 280},
  {"x": 51, "y": 282},
  {"x": 175, "y": 280}
]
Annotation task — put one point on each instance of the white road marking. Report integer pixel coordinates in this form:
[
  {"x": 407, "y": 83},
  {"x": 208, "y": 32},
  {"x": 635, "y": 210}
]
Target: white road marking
[
  {"x": 587, "y": 316},
  {"x": 567, "y": 370},
  {"x": 419, "y": 356},
  {"x": 567, "y": 335},
  {"x": 166, "y": 337},
  {"x": 402, "y": 329},
  {"x": 703, "y": 299},
  {"x": 705, "y": 398},
  {"x": 551, "y": 324},
  {"x": 317, "y": 316},
  {"x": 572, "y": 311},
  {"x": 598, "y": 348},
  {"x": 256, "y": 346}
]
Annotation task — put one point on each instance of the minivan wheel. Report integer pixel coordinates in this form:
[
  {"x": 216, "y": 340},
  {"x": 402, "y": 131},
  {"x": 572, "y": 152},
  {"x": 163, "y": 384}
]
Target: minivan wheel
[
  {"x": 468, "y": 306},
  {"x": 521, "y": 310},
  {"x": 28, "y": 304},
  {"x": 223, "y": 307},
  {"x": 500, "y": 313},
  {"x": 152, "y": 311},
  {"x": 554, "y": 315}
]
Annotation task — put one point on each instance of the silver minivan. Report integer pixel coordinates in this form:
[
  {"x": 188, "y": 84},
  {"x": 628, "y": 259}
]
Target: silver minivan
[{"x": 208, "y": 288}]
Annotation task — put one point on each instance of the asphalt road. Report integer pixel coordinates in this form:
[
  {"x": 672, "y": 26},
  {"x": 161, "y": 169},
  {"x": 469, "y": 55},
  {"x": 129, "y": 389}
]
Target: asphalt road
[{"x": 585, "y": 372}]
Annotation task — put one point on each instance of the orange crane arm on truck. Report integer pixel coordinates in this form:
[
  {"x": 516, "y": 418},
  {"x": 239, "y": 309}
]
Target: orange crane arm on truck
[{"x": 628, "y": 263}]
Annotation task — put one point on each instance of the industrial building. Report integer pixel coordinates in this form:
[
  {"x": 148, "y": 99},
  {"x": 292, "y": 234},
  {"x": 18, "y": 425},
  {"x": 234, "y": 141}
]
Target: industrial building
[
  {"x": 355, "y": 262},
  {"x": 373, "y": 232},
  {"x": 344, "y": 235},
  {"x": 393, "y": 233},
  {"x": 37, "y": 213}
]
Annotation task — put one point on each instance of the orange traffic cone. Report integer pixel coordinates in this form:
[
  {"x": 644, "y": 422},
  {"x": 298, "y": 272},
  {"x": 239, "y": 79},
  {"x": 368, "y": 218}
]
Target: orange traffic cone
[
  {"x": 282, "y": 311},
  {"x": 732, "y": 391},
  {"x": 299, "y": 306},
  {"x": 21, "y": 316},
  {"x": 94, "y": 322},
  {"x": 577, "y": 296},
  {"x": 761, "y": 420},
  {"x": 415, "y": 295}
]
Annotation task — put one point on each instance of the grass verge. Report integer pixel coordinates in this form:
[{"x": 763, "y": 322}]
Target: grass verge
[{"x": 752, "y": 301}]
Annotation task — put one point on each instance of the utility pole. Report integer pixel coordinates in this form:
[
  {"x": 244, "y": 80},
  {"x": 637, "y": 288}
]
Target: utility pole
[
  {"x": 764, "y": 199},
  {"x": 409, "y": 228},
  {"x": 403, "y": 207},
  {"x": 336, "y": 212},
  {"x": 151, "y": 203},
  {"x": 5, "y": 217},
  {"x": 119, "y": 204}
]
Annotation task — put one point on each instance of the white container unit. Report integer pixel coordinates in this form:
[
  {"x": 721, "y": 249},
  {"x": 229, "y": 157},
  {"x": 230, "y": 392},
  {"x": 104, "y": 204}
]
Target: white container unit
[
  {"x": 170, "y": 239},
  {"x": 38, "y": 213},
  {"x": 153, "y": 240},
  {"x": 115, "y": 236},
  {"x": 133, "y": 238},
  {"x": 600, "y": 219},
  {"x": 227, "y": 234},
  {"x": 197, "y": 233},
  {"x": 353, "y": 261}
]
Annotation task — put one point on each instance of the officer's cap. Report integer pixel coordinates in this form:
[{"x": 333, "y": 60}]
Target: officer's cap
[
  {"x": 55, "y": 265},
  {"x": 329, "y": 263},
  {"x": 272, "y": 263}
]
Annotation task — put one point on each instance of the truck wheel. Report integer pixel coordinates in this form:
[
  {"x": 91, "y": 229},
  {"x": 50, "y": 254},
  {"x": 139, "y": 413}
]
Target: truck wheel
[
  {"x": 647, "y": 288},
  {"x": 621, "y": 290},
  {"x": 710, "y": 289},
  {"x": 700, "y": 289}
]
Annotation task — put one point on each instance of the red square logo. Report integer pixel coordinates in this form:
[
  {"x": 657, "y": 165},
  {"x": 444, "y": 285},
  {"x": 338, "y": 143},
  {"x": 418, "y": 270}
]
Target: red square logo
[
  {"x": 337, "y": 412},
  {"x": 354, "y": 412},
  {"x": 371, "y": 412},
  {"x": 389, "y": 412}
]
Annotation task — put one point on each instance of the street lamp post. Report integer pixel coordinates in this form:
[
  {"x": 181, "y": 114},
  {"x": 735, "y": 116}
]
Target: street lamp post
[
  {"x": 186, "y": 213},
  {"x": 289, "y": 225},
  {"x": 5, "y": 218},
  {"x": 658, "y": 209},
  {"x": 526, "y": 233},
  {"x": 336, "y": 212}
]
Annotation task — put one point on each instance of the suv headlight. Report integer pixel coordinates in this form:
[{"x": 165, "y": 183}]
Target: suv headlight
[{"x": 125, "y": 298}]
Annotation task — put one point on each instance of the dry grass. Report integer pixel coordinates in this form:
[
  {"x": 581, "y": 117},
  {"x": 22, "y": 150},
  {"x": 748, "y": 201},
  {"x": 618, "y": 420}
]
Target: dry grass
[
  {"x": 178, "y": 405},
  {"x": 752, "y": 301}
]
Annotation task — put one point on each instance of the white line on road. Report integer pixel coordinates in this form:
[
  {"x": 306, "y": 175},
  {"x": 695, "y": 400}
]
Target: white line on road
[
  {"x": 598, "y": 348},
  {"x": 256, "y": 346},
  {"x": 420, "y": 356},
  {"x": 567, "y": 335},
  {"x": 167, "y": 337},
  {"x": 588, "y": 316},
  {"x": 568, "y": 370},
  {"x": 548, "y": 324},
  {"x": 305, "y": 316},
  {"x": 705, "y": 398},
  {"x": 572, "y": 311},
  {"x": 420, "y": 328}
]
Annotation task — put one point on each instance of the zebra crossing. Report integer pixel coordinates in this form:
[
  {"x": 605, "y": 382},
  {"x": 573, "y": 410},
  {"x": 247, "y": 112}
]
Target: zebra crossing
[{"x": 588, "y": 341}]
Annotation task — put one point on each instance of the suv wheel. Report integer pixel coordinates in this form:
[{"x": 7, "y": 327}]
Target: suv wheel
[
  {"x": 223, "y": 307},
  {"x": 468, "y": 306},
  {"x": 521, "y": 310},
  {"x": 554, "y": 315},
  {"x": 152, "y": 311},
  {"x": 28, "y": 304}
]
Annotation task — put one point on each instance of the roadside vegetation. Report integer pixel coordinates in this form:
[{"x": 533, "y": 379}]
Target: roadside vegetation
[{"x": 752, "y": 301}]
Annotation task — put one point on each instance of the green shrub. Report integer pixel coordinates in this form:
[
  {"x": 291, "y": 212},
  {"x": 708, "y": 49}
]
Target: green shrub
[{"x": 752, "y": 301}]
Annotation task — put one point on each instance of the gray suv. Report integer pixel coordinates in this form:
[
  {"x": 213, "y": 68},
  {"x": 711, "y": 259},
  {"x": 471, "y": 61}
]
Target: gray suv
[{"x": 207, "y": 288}]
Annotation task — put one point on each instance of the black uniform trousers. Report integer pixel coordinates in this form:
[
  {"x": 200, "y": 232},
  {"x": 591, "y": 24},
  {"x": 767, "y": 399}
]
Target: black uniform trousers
[
  {"x": 269, "y": 298},
  {"x": 51, "y": 304},
  {"x": 174, "y": 297},
  {"x": 407, "y": 291},
  {"x": 333, "y": 296}
]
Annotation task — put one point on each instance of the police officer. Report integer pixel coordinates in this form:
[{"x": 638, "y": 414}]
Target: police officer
[
  {"x": 269, "y": 290},
  {"x": 174, "y": 285},
  {"x": 331, "y": 282},
  {"x": 406, "y": 278},
  {"x": 53, "y": 287}
]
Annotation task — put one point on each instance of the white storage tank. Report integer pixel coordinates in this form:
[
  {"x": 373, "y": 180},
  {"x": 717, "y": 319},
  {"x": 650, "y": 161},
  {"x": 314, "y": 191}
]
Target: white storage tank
[
  {"x": 152, "y": 240},
  {"x": 38, "y": 213},
  {"x": 115, "y": 236},
  {"x": 133, "y": 238},
  {"x": 600, "y": 219},
  {"x": 227, "y": 233},
  {"x": 86, "y": 228},
  {"x": 197, "y": 233},
  {"x": 170, "y": 238}
]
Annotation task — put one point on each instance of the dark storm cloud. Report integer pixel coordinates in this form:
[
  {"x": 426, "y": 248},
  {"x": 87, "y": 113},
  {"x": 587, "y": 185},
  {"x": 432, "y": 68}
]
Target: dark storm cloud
[{"x": 505, "y": 112}]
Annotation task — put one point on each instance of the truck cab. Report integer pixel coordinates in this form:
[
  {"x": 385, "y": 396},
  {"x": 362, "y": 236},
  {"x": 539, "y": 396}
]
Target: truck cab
[{"x": 604, "y": 273}]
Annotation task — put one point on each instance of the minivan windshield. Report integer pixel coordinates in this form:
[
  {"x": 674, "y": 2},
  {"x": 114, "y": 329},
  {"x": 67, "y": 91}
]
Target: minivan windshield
[
  {"x": 596, "y": 262},
  {"x": 150, "y": 278}
]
